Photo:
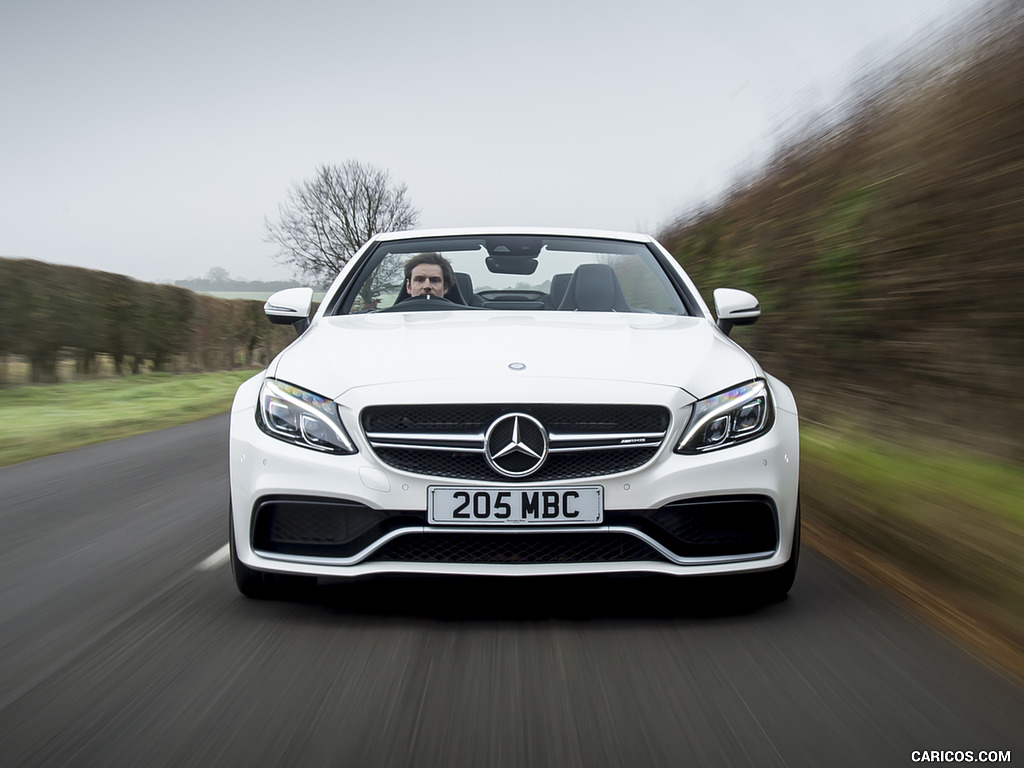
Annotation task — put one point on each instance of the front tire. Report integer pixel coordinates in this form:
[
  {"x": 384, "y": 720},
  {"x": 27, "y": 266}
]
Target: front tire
[
  {"x": 250, "y": 582},
  {"x": 774, "y": 586},
  {"x": 261, "y": 585}
]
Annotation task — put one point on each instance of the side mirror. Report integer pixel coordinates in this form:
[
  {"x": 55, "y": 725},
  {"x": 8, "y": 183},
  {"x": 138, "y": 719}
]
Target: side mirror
[
  {"x": 290, "y": 307},
  {"x": 735, "y": 308}
]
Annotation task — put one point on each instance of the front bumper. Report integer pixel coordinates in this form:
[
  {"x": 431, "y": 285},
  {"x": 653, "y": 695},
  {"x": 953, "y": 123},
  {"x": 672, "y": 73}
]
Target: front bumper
[{"x": 301, "y": 512}]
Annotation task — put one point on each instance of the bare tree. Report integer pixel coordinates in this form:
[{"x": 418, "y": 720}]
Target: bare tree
[
  {"x": 327, "y": 218},
  {"x": 218, "y": 278}
]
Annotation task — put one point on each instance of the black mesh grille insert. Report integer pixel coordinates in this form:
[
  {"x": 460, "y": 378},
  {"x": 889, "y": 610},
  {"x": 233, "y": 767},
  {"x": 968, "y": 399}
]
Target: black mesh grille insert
[
  {"x": 526, "y": 549},
  {"x": 327, "y": 527},
  {"x": 709, "y": 528}
]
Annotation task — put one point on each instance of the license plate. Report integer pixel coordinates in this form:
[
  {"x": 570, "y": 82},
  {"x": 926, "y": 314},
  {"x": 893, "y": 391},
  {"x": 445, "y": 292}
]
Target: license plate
[{"x": 516, "y": 506}]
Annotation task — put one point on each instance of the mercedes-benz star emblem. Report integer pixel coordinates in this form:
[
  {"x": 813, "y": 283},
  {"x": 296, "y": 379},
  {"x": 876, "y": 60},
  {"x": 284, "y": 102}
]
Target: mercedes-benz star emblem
[{"x": 516, "y": 445}]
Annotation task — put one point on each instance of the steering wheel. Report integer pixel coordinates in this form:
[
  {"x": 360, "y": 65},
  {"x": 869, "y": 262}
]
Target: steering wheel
[{"x": 425, "y": 304}]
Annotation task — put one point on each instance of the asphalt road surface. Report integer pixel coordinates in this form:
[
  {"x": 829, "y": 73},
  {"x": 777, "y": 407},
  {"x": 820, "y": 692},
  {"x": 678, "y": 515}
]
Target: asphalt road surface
[{"x": 124, "y": 643}]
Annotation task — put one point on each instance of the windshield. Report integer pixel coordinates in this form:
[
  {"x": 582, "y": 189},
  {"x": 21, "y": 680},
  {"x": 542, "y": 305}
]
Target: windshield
[{"x": 513, "y": 272}]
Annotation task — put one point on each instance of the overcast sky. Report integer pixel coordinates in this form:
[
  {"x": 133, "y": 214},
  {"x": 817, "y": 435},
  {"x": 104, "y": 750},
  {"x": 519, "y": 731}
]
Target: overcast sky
[{"x": 151, "y": 139}]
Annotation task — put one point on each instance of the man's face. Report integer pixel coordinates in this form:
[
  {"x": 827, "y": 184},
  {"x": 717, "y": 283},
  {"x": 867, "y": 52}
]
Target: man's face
[{"x": 426, "y": 279}]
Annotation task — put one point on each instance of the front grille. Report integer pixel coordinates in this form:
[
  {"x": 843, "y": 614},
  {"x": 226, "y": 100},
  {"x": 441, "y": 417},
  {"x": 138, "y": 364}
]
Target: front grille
[
  {"x": 448, "y": 440},
  {"x": 473, "y": 417},
  {"x": 516, "y": 549}
]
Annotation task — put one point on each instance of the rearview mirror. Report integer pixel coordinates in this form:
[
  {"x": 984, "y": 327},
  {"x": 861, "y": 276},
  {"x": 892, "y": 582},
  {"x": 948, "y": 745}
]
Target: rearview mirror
[
  {"x": 290, "y": 307},
  {"x": 735, "y": 307}
]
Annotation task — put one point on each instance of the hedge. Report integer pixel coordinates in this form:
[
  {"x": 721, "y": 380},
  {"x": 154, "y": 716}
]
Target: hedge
[{"x": 53, "y": 312}]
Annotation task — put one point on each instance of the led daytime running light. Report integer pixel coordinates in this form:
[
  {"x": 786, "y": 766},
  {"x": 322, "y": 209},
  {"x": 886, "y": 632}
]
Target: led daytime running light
[
  {"x": 296, "y": 409},
  {"x": 728, "y": 405}
]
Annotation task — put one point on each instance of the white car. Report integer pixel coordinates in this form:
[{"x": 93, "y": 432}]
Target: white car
[{"x": 512, "y": 402}]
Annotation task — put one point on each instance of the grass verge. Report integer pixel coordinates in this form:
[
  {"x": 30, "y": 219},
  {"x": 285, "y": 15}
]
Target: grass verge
[
  {"x": 39, "y": 420},
  {"x": 949, "y": 527}
]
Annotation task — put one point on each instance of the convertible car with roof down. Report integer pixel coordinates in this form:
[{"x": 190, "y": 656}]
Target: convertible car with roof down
[{"x": 513, "y": 402}]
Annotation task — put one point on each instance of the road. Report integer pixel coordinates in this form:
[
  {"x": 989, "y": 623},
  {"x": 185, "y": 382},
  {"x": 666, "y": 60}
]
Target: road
[{"x": 124, "y": 643}]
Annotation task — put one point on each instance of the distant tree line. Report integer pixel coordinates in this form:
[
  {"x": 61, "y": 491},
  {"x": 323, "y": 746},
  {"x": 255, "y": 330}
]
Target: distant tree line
[
  {"x": 50, "y": 312},
  {"x": 218, "y": 279}
]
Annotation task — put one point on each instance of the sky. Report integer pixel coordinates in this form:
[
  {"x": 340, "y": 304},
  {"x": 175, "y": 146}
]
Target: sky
[{"x": 155, "y": 139}]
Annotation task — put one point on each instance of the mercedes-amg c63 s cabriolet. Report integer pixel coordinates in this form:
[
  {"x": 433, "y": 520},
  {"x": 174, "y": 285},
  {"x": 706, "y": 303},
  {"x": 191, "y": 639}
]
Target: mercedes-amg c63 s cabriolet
[{"x": 512, "y": 402}]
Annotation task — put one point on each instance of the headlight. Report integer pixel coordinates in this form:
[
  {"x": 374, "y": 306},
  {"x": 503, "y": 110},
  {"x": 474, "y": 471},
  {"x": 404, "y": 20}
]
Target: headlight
[
  {"x": 300, "y": 417},
  {"x": 732, "y": 417}
]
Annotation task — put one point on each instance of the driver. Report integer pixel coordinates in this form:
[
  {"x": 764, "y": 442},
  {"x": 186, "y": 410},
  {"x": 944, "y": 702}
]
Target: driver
[{"x": 428, "y": 274}]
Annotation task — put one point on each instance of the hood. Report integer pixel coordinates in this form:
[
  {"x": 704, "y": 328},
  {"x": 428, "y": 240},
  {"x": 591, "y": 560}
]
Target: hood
[{"x": 339, "y": 353}]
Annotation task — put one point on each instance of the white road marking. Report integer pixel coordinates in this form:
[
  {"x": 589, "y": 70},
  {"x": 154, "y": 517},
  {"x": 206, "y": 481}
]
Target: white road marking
[{"x": 215, "y": 560}]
